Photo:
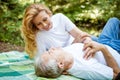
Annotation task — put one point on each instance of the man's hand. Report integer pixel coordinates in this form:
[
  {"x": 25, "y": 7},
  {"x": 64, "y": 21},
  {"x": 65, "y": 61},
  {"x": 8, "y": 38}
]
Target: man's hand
[{"x": 90, "y": 48}]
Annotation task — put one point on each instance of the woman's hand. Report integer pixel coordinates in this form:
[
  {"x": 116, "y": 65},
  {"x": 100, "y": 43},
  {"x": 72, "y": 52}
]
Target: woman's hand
[
  {"x": 90, "y": 48},
  {"x": 83, "y": 37}
]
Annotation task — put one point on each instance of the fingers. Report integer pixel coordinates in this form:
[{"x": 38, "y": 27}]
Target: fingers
[
  {"x": 89, "y": 54},
  {"x": 86, "y": 45},
  {"x": 85, "y": 39},
  {"x": 87, "y": 50},
  {"x": 86, "y": 53}
]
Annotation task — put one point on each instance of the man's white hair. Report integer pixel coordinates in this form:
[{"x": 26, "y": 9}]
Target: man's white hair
[{"x": 49, "y": 69}]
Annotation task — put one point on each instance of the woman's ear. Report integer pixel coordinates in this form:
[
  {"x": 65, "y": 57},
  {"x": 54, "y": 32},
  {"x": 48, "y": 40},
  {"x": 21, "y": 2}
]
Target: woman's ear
[{"x": 61, "y": 65}]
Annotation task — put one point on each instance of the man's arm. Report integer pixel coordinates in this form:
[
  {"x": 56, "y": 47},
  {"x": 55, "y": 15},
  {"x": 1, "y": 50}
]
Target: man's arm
[
  {"x": 110, "y": 60},
  {"x": 108, "y": 57}
]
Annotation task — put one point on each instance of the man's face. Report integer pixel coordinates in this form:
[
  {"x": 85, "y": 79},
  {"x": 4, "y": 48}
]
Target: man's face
[
  {"x": 42, "y": 21},
  {"x": 53, "y": 53}
]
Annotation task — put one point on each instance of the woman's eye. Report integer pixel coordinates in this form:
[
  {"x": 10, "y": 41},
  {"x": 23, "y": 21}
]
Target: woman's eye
[
  {"x": 45, "y": 19},
  {"x": 39, "y": 23}
]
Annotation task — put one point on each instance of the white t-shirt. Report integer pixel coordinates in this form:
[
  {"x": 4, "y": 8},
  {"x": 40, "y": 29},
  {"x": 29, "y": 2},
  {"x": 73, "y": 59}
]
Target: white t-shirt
[
  {"x": 93, "y": 69},
  {"x": 57, "y": 36}
]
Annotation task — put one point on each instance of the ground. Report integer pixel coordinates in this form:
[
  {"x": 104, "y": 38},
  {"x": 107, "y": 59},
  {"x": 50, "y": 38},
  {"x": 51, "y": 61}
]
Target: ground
[{"x": 5, "y": 47}]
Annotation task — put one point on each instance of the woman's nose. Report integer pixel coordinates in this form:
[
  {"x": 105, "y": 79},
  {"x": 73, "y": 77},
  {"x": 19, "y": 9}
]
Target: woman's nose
[{"x": 44, "y": 24}]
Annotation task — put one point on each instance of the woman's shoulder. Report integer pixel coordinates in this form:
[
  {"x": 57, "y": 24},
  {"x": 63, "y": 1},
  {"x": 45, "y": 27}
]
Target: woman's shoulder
[
  {"x": 58, "y": 19},
  {"x": 58, "y": 15}
]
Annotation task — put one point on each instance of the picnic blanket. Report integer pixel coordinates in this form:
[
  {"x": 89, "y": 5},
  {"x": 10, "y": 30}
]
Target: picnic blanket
[{"x": 16, "y": 65}]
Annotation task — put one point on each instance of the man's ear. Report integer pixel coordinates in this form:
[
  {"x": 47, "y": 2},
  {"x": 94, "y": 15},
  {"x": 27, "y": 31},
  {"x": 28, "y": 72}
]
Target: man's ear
[{"x": 61, "y": 65}]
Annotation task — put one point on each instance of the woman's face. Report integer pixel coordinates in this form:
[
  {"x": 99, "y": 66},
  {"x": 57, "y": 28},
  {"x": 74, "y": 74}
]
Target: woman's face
[{"x": 42, "y": 21}]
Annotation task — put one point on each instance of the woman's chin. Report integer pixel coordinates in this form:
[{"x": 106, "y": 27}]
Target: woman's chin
[{"x": 49, "y": 28}]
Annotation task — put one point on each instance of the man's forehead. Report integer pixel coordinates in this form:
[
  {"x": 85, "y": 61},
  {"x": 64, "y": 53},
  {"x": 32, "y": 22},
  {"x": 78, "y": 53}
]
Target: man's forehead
[{"x": 44, "y": 55}]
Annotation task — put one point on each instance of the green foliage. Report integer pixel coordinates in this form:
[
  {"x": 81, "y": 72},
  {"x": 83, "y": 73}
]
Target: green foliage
[
  {"x": 88, "y": 15},
  {"x": 10, "y": 21},
  {"x": 83, "y": 10}
]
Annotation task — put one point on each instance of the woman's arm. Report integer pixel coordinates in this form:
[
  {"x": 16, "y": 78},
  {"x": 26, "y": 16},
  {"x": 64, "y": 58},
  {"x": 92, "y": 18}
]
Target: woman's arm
[{"x": 79, "y": 35}]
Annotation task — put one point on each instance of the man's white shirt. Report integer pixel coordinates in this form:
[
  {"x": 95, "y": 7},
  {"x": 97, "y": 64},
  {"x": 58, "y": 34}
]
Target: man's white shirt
[{"x": 92, "y": 69}]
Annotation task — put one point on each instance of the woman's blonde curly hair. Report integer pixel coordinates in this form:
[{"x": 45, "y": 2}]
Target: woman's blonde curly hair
[{"x": 29, "y": 30}]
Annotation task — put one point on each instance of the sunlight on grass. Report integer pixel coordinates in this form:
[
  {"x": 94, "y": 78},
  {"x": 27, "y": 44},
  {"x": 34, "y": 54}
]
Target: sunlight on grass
[
  {"x": 91, "y": 31},
  {"x": 93, "y": 14},
  {"x": 25, "y": 1}
]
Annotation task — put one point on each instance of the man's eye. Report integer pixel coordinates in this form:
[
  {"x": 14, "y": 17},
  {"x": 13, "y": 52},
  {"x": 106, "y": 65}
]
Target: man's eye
[{"x": 49, "y": 52}]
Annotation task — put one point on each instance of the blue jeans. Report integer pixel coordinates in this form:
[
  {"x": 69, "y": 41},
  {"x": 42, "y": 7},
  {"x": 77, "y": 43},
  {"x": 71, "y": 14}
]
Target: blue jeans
[{"x": 110, "y": 34}]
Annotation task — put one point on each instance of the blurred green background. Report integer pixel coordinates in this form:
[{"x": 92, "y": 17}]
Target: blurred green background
[{"x": 88, "y": 15}]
